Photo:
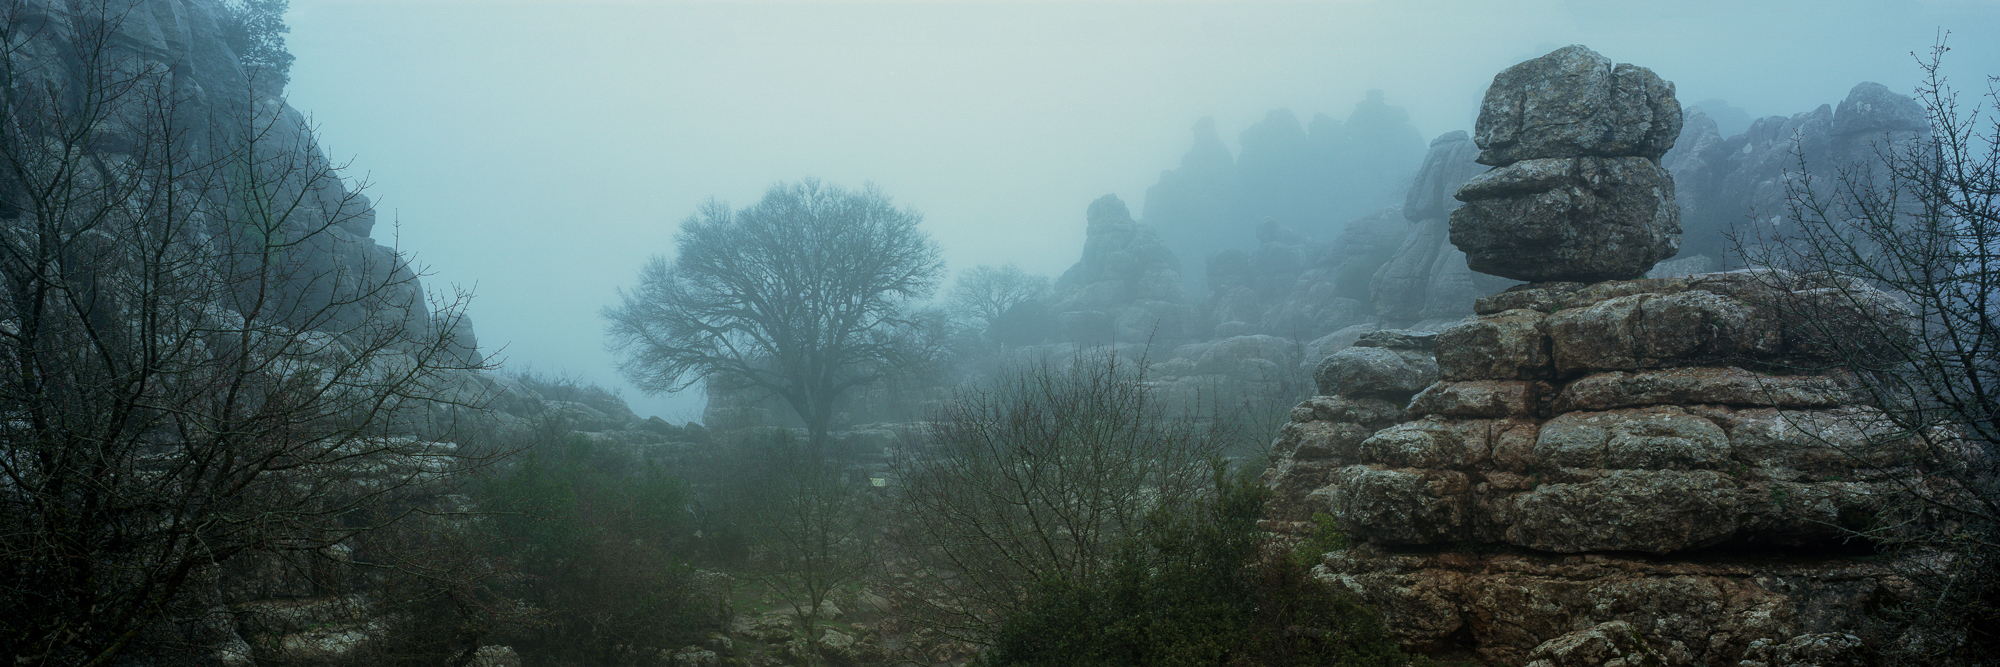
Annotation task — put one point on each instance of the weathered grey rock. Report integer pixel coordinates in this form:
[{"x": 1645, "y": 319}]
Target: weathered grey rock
[
  {"x": 1848, "y": 443},
  {"x": 1657, "y": 511},
  {"x": 1871, "y": 108},
  {"x": 1826, "y": 649},
  {"x": 1644, "y": 331},
  {"x": 1317, "y": 440},
  {"x": 1648, "y": 439},
  {"x": 1503, "y": 605},
  {"x": 1607, "y": 644},
  {"x": 1371, "y": 412},
  {"x": 1430, "y": 444},
  {"x": 1399, "y": 339},
  {"x": 1684, "y": 266},
  {"x": 1480, "y": 399},
  {"x": 1376, "y": 372},
  {"x": 1124, "y": 265},
  {"x": 1511, "y": 345},
  {"x": 1568, "y": 219},
  {"x": 1703, "y": 386},
  {"x": 1325, "y": 434},
  {"x": 1401, "y": 507},
  {"x": 1450, "y": 162},
  {"x": 1573, "y": 103},
  {"x": 1328, "y": 344}
]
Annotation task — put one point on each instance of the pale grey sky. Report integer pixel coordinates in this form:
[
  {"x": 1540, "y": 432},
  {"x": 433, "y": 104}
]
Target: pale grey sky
[{"x": 540, "y": 150}]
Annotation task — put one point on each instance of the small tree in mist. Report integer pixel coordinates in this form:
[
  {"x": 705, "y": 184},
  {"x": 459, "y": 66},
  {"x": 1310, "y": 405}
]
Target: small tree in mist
[
  {"x": 1036, "y": 479},
  {"x": 985, "y": 292},
  {"x": 255, "y": 30},
  {"x": 1921, "y": 223},
  {"x": 802, "y": 294},
  {"x": 812, "y": 521}
]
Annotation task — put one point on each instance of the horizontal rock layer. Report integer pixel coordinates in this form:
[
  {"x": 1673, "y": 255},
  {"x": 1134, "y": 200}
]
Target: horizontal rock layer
[{"x": 1511, "y": 607}]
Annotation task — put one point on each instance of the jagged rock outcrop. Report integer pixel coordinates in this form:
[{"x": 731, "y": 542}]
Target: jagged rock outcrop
[
  {"x": 1362, "y": 389},
  {"x": 1721, "y": 180},
  {"x": 1427, "y": 284},
  {"x": 1296, "y": 287},
  {"x": 1656, "y": 471},
  {"x": 1310, "y": 177},
  {"x": 1125, "y": 288},
  {"x": 1577, "y": 192},
  {"x": 1575, "y": 103},
  {"x": 1194, "y": 205}
]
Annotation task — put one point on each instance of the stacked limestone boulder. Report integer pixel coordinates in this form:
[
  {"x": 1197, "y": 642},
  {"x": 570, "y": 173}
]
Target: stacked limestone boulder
[
  {"x": 1666, "y": 457},
  {"x": 1578, "y": 192}
]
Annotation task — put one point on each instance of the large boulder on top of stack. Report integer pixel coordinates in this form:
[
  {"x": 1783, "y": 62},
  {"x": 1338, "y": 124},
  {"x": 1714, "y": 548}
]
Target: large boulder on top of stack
[{"x": 1578, "y": 193}]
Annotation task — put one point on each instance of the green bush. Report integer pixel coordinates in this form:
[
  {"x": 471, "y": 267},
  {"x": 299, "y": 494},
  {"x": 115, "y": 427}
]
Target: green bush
[
  {"x": 601, "y": 535},
  {"x": 1196, "y": 589}
]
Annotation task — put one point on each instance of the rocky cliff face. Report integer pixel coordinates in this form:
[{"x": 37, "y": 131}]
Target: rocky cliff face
[
  {"x": 1724, "y": 181},
  {"x": 1622, "y": 469},
  {"x": 220, "y": 249},
  {"x": 220, "y": 105}
]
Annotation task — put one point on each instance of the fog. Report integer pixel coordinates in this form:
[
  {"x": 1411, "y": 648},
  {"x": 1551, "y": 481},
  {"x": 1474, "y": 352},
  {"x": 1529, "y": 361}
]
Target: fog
[{"x": 538, "y": 152}]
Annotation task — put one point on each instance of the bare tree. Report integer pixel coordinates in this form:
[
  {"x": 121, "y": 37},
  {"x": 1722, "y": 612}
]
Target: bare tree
[
  {"x": 986, "y": 292},
  {"x": 186, "y": 375},
  {"x": 1901, "y": 260},
  {"x": 1036, "y": 480},
  {"x": 801, "y": 295}
]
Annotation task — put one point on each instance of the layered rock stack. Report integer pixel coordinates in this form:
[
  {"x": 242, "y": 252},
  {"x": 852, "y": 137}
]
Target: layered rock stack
[
  {"x": 1659, "y": 471},
  {"x": 1578, "y": 192}
]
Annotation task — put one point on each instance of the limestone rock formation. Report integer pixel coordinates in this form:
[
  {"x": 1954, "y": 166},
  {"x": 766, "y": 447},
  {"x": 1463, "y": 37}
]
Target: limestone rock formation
[
  {"x": 1581, "y": 219},
  {"x": 1362, "y": 389},
  {"x": 1426, "y": 283},
  {"x": 1574, "y": 428},
  {"x": 1629, "y": 399},
  {"x": 1391, "y": 365},
  {"x": 1722, "y": 179},
  {"x": 1607, "y": 470},
  {"x": 1126, "y": 287},
  {"x": 1578, "y": 192}
]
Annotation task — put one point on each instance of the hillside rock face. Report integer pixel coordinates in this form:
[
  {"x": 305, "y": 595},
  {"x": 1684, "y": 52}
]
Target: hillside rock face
[
  {"x": 356, "y": 276},
  {"x": 1722, "y": 180},
  {"x": 1612, "y": 472}
]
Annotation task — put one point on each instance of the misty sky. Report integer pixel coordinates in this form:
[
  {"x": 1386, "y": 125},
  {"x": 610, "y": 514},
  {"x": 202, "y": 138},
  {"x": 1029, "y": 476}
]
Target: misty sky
[{"x": 539, "y": 151}]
